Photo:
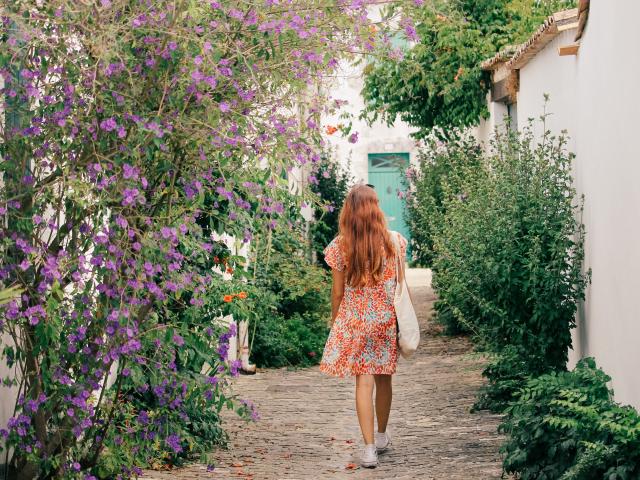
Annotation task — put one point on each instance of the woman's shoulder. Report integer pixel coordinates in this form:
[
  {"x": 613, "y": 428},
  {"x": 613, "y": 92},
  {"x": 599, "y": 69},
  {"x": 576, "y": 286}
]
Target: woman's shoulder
[
  {"x": 333, "y": 253},
  {"x": 397, "y": 235},
  {"x": 399, "y": 240}
]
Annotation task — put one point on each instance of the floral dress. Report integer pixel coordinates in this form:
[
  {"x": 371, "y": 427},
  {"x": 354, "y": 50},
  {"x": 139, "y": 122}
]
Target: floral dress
[{"x": 363, "y": 337}]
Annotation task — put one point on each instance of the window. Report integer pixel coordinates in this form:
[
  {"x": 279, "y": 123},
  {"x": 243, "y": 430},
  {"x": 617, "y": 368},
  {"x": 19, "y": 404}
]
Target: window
[{"x": 388, "y": 161}]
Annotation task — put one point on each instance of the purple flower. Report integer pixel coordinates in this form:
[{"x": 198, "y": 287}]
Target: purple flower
[
  {"x": 223, "y": 350},
  {"x": 129, "y": 172},
  {"x": 235, "y": 13},
  {"x": 178, "y": 340},
  {"x": 143, "y": 417},
  {"x": 224, "y": 107},
  {"x": 173, "y": 442},
  {"x": 130, "y": 196},
  {"x": 235, "y": 367},
  {"x": 26, "y": 74},
  {"x": 108, "y": 125},
  {"x": 139, "y": 21},
  {"x": 353, "y": 138},
  {"x": 409, "y": 29},
  {"x": 198, "y": 76},
  {"x": 166, "y": 232}
]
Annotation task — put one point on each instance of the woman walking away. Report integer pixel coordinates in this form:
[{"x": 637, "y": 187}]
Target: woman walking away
[{"x": 362, "y": 341}]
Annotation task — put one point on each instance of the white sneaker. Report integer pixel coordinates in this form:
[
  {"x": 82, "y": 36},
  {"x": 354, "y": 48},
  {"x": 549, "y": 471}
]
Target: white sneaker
[
  {"x": 383, "y": 440},
  {"x": 369, "y": 457}
]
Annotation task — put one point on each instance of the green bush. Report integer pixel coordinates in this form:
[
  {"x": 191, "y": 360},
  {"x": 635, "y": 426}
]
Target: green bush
[
  {"x": 565, "y": 426},
  {"x": 289, "y": 305},
  {"x": 332, "y": 188},
  {"x": 506, "y": 372},
  {"x": 508, "y": 260},
  {"x": 438, "y": 173},
  {"x": 295, "y": 341},
  {"x": 438, "y": 83},
  {"x": 446, "y": 317}
]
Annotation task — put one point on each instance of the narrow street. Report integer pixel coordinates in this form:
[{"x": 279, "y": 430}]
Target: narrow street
[{"x": 308, "y": 427}]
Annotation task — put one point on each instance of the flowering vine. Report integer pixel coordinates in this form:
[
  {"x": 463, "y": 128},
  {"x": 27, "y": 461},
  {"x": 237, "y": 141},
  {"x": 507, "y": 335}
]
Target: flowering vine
[{"x": 134, "y": 131}]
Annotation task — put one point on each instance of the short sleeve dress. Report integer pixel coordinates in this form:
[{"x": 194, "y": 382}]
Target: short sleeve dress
[{"x": 362, "y": 339}]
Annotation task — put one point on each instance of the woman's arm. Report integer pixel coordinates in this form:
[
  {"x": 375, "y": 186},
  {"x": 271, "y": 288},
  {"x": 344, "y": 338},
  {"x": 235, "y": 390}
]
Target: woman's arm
[{"x": 337, "y": 292}]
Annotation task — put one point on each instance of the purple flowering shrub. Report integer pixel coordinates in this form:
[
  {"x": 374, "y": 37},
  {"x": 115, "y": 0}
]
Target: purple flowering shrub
[
  {"x": 133, "y": 131},
  {"x": 168, "y": 418}
]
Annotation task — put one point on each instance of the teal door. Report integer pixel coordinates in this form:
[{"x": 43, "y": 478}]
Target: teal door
[{"x": 385, "y": 174}]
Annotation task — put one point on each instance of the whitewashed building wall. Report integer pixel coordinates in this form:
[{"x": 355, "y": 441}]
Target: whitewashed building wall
[
  {"x": 595, "y": 97},
  {"x": 377, "y": 138}
]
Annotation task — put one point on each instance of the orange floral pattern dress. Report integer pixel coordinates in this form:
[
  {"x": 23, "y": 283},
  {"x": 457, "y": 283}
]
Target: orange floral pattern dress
[{"x": 363, "y": 337}]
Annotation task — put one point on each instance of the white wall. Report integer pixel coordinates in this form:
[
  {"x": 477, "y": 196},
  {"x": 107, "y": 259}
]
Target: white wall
[
  {"x": 8, "y": 395},
  {"x": 608, "y": 171},
  {"x": 379, "y": 138},
  {"x": 595, "y": 96},
  {"x": 484, "y": 131},
  {"x": 549, "y": 73}
]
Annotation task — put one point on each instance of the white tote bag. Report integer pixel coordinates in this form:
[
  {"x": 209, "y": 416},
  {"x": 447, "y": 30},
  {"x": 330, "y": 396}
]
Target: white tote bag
[{"x": 408, "y": 328}]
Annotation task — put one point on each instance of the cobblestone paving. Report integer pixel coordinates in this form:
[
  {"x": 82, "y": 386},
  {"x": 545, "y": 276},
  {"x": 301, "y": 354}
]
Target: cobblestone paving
[{"x": 309, "y": 430}]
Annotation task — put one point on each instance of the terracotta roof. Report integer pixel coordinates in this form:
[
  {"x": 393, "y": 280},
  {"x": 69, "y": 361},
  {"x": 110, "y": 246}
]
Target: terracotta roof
[
  {"x": 583, "y": 15},
  {"x": 553, "y": 25},
  {"x": 502, "y": 56}
]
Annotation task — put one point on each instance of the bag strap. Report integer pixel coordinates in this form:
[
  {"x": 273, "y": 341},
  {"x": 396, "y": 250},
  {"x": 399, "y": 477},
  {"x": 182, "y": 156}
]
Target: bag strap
[{"x": 398, "y": 251}]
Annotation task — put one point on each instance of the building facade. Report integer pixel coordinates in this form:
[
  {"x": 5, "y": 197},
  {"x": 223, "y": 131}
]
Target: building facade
[{"x": 381, "y": 153}]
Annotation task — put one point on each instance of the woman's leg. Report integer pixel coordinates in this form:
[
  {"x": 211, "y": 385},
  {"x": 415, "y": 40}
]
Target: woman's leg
[
  {"x": 364, "y": 405},
  {"x": 383, "y": 400}
]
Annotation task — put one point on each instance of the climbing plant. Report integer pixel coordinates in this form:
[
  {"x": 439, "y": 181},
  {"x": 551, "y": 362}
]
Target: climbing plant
[
  {"x": 136, "y": 133},
  {"x": 437, "y": 83}
]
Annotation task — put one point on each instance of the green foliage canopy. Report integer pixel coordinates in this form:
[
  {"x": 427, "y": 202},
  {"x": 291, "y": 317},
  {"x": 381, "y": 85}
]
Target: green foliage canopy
[{"x": 439, "y": 83}]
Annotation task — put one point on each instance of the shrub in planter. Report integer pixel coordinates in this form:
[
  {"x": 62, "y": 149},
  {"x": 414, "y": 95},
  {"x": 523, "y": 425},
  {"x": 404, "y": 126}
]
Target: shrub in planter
[
  {"x": 566, "y": 426},
  {"x": 509, "y": 254}
]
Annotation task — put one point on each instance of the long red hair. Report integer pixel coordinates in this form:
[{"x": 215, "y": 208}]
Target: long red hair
[{"x": 365, "y": 238}]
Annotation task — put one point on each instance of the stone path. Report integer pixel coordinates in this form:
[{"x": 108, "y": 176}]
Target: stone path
[{"x": 309, "y": 430}]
